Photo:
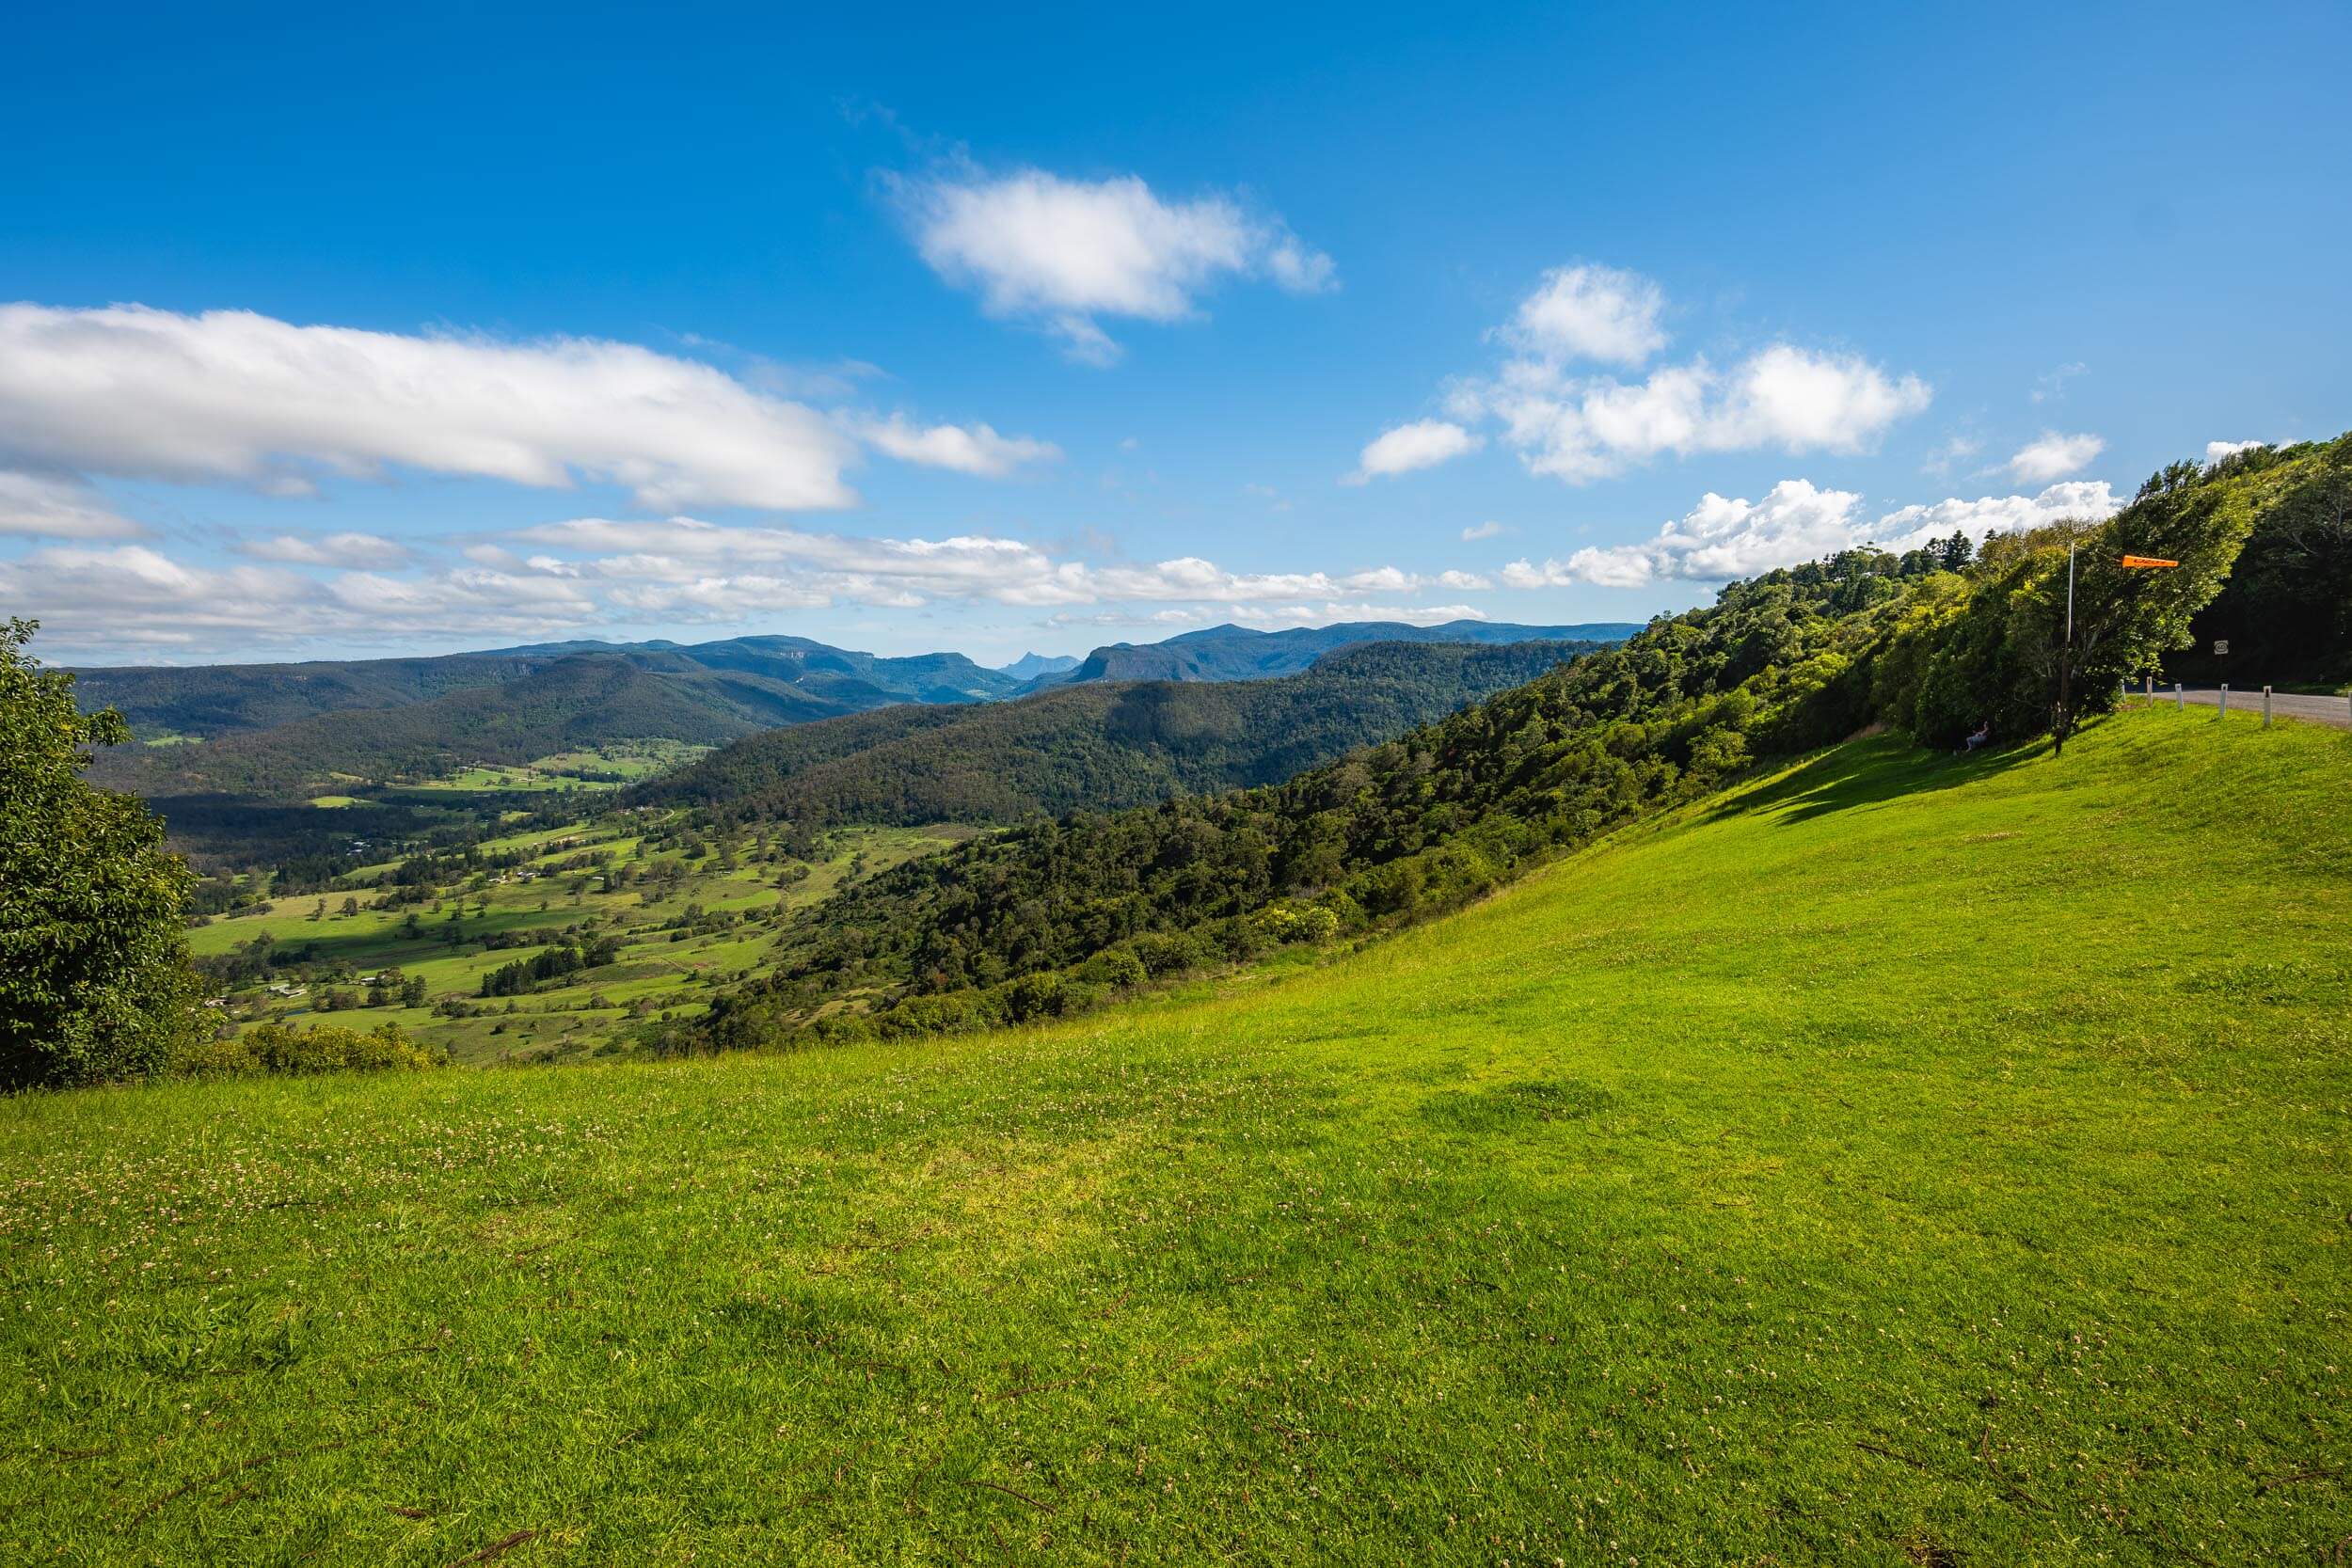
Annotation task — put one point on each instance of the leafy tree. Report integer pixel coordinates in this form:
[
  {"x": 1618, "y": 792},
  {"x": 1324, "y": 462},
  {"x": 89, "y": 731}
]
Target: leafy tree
[
  {"x": 2286, "y": 611},
  {"x": 94, "y": 976}
]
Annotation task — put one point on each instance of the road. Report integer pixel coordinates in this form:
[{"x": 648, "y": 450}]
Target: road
[{"x": 2286, "y": 705}]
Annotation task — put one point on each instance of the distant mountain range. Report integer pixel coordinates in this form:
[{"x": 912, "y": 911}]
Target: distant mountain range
[
  {"x": 785, "y": 680},
  {"x": 1102, "y": 745},
  {"x": 279, "y": 729},
  {"x": 1231, "y": 653},
  {"x": 1029, "y": 666}
]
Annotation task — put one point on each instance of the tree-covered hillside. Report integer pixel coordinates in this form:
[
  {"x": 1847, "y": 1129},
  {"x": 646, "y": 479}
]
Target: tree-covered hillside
[
  {"x": 1230, "y": 653},
  {"x": 2286, "y": 611},
  {"x": 1103, "y": 746},
  {"x": 221, "y": 699},
  {"x": 1936, "y": 642},
  {"x": 579, "y": 700}
]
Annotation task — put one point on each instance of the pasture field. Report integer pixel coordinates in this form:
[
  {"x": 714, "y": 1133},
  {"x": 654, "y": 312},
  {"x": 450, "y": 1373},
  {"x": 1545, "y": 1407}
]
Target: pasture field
[
  {"x": 669, "y": 963},
  {"x": 605, "y": 767},
  {"x": 1902, "y": 1160}
]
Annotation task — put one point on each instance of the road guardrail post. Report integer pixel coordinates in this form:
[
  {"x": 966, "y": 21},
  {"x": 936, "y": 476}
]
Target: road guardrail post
[
  {"x": 2265, "y": 707},
  {"x": 2179, "y": 696},
  {"x": 2225, "y": 701}
]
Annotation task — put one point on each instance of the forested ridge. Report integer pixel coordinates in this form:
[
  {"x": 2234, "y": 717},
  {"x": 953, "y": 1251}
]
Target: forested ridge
[
  {"x": 580, "y": 701},
  {"x": 1230, "y": 653},
  {"x": 1100, "y": 745},
  {"x": 1053, "y": 916},
  {"x": 225, "y": 699}
]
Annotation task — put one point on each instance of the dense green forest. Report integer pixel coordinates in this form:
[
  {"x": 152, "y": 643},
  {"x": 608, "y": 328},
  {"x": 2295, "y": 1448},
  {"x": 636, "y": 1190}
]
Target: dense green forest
[
  {"x": 1101, "y": 744},
  {"x": 209, "y": 700},
  {"x": 2286, "y": 611},
  {"x": 580, "y": 701},
  {"x": 1935, "y": 642}
]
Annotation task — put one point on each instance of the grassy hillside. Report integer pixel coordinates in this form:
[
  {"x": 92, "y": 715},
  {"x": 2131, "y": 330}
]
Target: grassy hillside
[
  {"x": 1907, "y": 1160},
  {"x": 1100, "y": 746}
]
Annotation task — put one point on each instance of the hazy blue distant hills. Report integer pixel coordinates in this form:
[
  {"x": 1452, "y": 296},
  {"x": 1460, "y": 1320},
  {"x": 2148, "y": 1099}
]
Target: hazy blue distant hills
[
  {"x": 1029, "y": 666},
  {"x": 1230, "y": 653},
  {"x": 219, "y": 699}
]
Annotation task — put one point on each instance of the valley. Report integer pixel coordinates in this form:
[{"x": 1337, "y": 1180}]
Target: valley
[
  {"x": 668, "y": 915},
  {"x": 1676, "y": 1099},
  {"x": 1515, "y": 786}
]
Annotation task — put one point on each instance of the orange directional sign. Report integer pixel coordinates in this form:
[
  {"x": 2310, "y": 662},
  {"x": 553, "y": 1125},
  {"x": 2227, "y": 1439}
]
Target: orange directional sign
[{"x": 2148, "y": 561}]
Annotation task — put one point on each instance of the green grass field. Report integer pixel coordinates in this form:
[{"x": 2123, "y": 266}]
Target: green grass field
[
  {"x": 604, "y": 768},
  {"x": 1908, "y": 1161}
]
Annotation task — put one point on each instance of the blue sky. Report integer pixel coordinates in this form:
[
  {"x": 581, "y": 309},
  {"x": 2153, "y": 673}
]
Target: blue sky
[{"x": 935, "y": 329}]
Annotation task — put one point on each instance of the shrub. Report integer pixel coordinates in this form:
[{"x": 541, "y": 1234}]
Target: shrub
[
  {"x": 278, "y": 1048},
  {"x": 1114, "y": 967},
  {"x": 1288, "y": 922},
  {"x": 1166, "y": 952}
]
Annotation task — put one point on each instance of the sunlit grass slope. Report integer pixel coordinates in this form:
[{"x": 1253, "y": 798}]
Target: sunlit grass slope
[{"x": 1909, "y": 1161}]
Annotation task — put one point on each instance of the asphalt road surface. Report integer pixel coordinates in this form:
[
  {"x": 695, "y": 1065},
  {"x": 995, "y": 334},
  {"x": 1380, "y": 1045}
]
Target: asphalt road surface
[{"x": 2285, "y": 704}]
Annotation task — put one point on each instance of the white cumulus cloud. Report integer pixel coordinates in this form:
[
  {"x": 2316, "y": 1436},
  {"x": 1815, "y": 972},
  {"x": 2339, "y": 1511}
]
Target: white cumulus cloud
[
  {"x": 1782, "y": 398},
  {"x": 365, "y": 551},
  {"x": 1591, "y": 312},
  {"x": 104, "y": 600},
  {"x": 2091, "y": 501},
  {"x": 977, "y": 450},
  {"x": 1423, "y": 444},
  {"x": 2054, "y": 457},
  {"x": 233, "y": 395},
  {"x": 1063, "y": 252},
  {"x": 2216, "y": 451},
  {"x": 59, "y": 509},
  {"x": 911, "y": 571},
  {"x": 1482, "y": 531},
  {"x": 1722, "y": 538},
  {"x": 1570, "y": 424}
]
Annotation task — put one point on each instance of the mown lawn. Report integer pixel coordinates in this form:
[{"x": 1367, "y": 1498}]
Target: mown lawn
[{"x": 1912, "y": 1160}]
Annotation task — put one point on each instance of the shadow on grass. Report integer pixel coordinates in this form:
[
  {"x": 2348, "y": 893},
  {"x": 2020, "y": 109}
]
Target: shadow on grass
[{"x": 1869, "y": 772}]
